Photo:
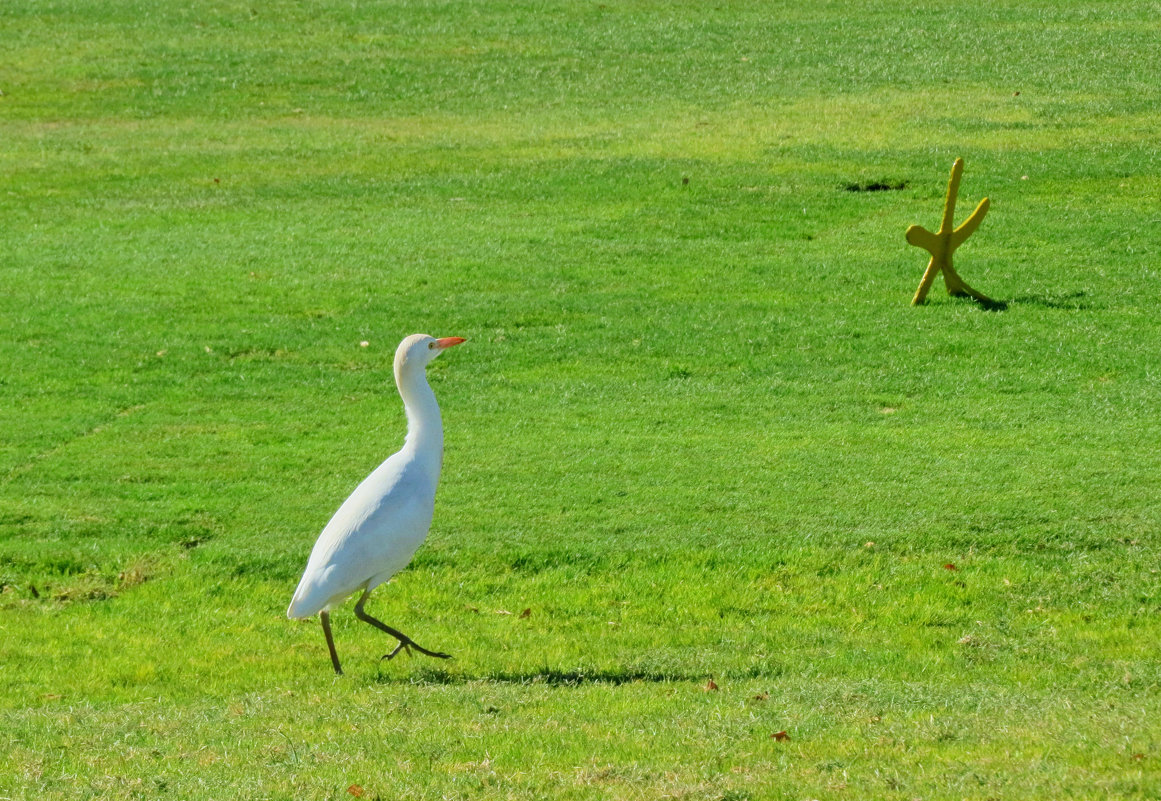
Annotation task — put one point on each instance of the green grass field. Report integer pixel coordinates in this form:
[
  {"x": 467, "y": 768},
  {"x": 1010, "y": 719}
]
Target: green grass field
[{"x": 697, "y": 431}]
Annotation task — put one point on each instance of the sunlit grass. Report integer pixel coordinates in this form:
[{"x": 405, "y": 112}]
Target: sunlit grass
[{"x": 697, "y": 433}]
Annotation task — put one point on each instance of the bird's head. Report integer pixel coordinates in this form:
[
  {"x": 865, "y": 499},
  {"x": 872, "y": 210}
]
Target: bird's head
[{"x": 417, "y": 350}]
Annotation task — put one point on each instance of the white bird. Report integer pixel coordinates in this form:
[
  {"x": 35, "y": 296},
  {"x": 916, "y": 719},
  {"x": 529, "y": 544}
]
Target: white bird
[{"x": 378, "y": 528}]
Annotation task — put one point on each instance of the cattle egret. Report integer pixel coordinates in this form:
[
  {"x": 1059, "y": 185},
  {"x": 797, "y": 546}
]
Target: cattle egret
[{"x": 376, "y": 531}]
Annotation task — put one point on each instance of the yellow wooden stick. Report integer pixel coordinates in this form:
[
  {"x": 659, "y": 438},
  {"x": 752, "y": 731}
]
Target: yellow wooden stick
[{"x": 943, "y": 243}]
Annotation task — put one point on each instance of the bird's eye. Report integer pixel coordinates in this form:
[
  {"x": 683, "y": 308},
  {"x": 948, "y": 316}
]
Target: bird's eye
[{"x": 430, "y": 345}]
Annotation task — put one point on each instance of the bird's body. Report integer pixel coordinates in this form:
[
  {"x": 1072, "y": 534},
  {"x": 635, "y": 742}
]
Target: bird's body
[
  {"x": 378, "y": 528},
  {"x": 371, "y": 537}
]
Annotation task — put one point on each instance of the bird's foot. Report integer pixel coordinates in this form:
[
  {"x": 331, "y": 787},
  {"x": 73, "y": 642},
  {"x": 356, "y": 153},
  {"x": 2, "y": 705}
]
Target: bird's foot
[
  {"x": 407, "y": 645},
  {"x": 402, "y": 646}
]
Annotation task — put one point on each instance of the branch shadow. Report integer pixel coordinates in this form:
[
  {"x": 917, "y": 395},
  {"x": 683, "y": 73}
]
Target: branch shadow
[
  {"x": 1073, "y": 301},
  {"x": 987, "y": 304}
]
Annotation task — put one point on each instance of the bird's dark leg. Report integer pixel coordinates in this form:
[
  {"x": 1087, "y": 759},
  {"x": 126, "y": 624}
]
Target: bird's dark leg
[
  {"x": 404, "y": 640},
  {"x": 325, "y": 617}
]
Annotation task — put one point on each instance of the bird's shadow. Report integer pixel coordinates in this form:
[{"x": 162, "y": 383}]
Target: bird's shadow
[{"x": 549, "y": 676}]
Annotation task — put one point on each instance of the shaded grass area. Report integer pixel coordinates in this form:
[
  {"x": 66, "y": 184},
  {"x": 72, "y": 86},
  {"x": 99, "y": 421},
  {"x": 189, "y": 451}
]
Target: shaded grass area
[{"x": 675, "y": 616}]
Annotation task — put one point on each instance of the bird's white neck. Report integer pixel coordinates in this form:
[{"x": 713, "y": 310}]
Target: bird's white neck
[{"x": 424, "y": 425}]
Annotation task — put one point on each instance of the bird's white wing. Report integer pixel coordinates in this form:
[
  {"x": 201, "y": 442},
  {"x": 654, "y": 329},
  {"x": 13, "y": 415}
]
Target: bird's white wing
[{"x": 371, "y": 537}]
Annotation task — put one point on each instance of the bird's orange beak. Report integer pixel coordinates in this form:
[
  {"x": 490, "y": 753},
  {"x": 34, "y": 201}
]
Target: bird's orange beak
[{"x": 447, "y": 342}]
